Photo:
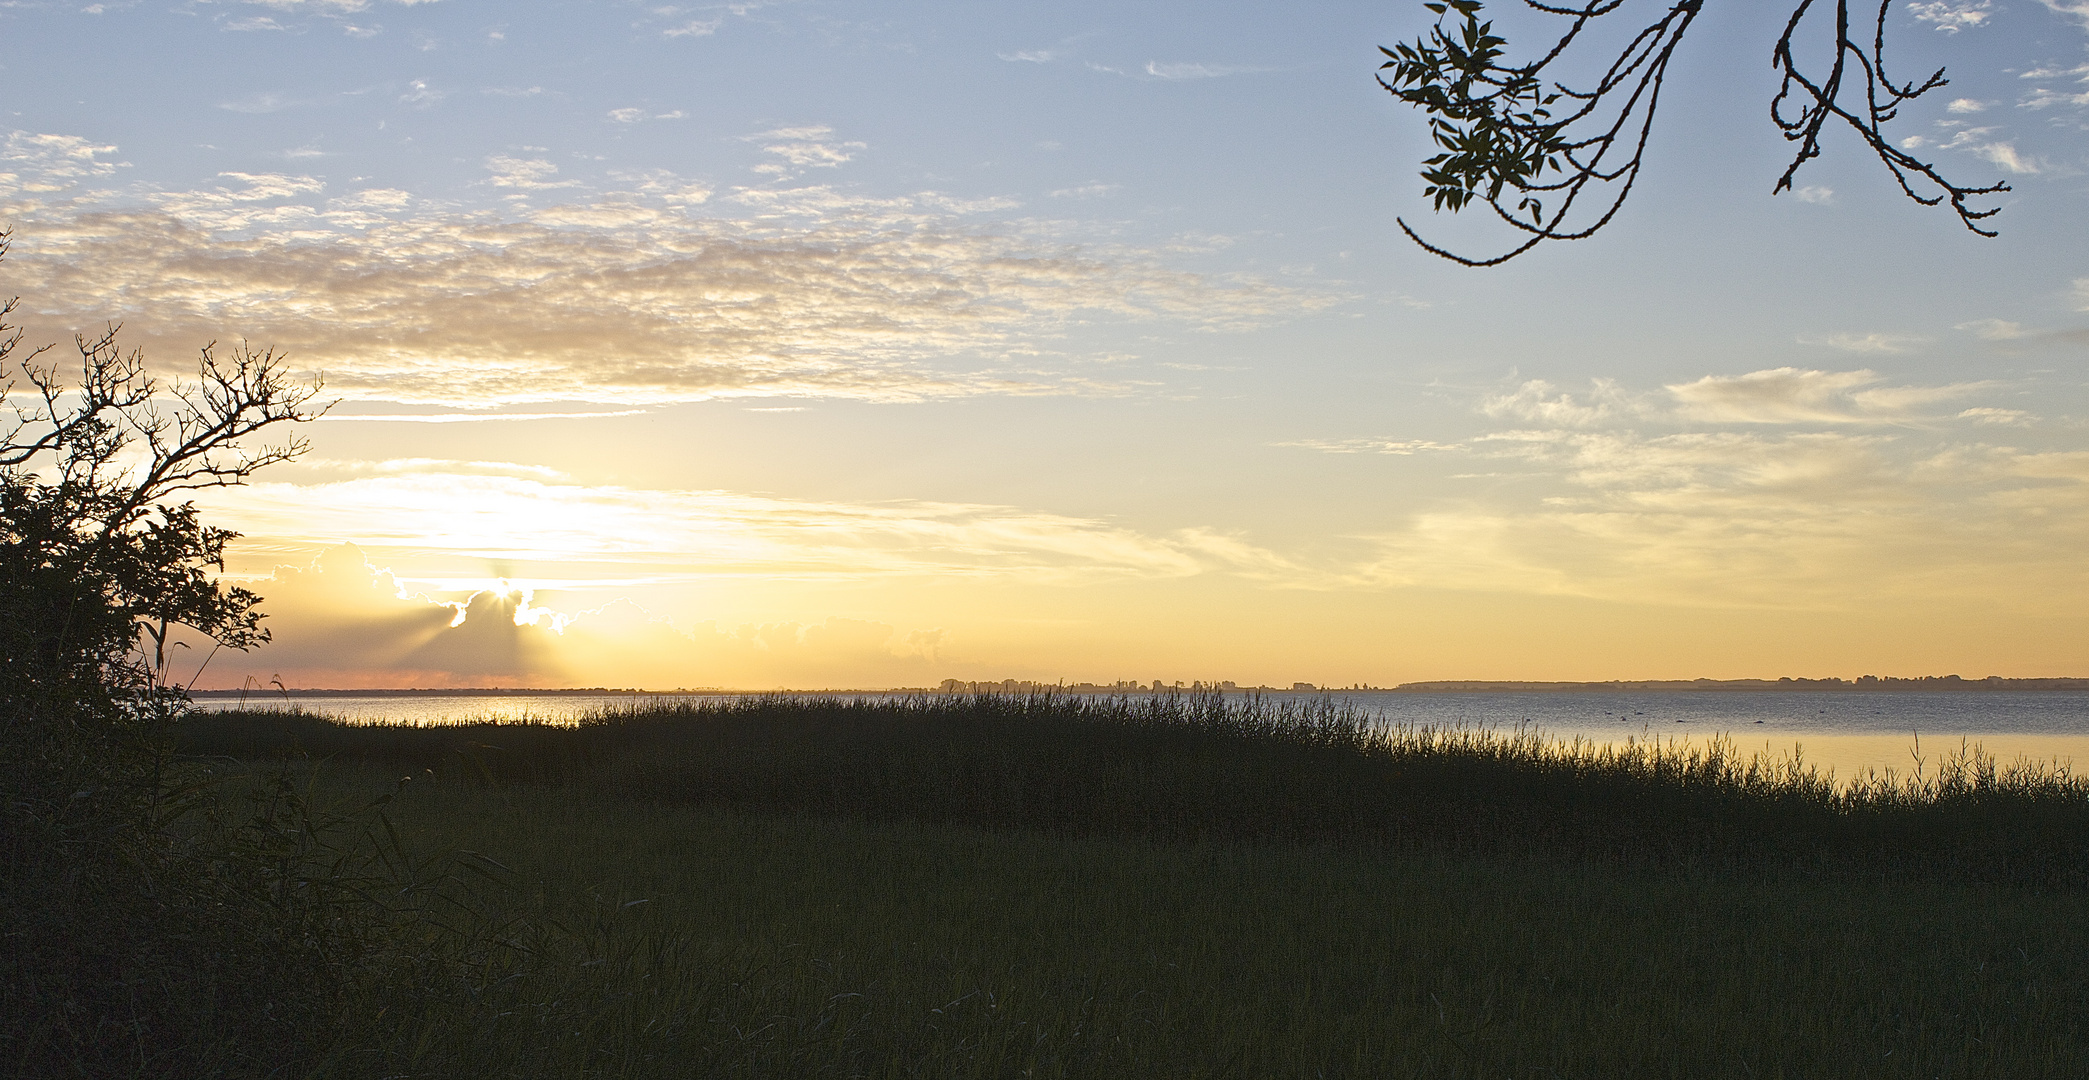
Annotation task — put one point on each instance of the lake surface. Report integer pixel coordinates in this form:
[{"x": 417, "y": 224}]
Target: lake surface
[{"x": 1849, "y": 731}]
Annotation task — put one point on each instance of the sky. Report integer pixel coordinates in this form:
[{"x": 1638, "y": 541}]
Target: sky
[{"x": 822, "y": 345}]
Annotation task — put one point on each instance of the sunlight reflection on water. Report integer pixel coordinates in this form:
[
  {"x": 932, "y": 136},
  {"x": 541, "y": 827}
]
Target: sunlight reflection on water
[{"x": 1848, "y": 731}]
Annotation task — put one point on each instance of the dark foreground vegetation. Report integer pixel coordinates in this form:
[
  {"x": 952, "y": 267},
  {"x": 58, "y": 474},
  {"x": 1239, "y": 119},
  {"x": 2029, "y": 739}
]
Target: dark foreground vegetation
[
  {"x": 1039, "y": 886},
  {"x": 1191, "y": 768}
]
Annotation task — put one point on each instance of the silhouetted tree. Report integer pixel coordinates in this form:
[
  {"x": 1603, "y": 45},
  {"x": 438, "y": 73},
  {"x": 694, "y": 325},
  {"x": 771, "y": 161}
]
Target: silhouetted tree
[
  {"x": 131, "y": 950},
  {"x": 98, "y": 564},
  {"x": 1531, "y": 147}
]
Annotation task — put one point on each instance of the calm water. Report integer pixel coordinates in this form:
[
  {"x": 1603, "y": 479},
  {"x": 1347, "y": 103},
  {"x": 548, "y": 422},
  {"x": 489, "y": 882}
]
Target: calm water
[{"x": 1847, "y": 731}]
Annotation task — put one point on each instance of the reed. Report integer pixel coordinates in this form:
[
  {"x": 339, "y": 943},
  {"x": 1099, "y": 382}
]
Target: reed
[
  {"x": 1060, "y": 886},
  {"x": 1185, "y": 768},
  {"x": 710, "y": 941}
]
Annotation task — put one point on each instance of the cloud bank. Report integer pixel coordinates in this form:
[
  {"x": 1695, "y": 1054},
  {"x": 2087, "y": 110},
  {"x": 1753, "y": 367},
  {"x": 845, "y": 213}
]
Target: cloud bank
[
  {"x": 341, "y": 622},
  {"x": 1781, "y": 488},
  {"x": 657, "y": 292}
]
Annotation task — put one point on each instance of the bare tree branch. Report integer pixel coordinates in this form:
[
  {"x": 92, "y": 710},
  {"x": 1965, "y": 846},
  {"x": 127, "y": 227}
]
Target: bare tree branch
[
  {"x": 1537, "y": 151},
  {"x": 95, "y": 560}
]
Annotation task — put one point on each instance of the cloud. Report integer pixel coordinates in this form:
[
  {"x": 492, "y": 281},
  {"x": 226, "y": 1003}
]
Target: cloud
[
  {"x": 1789, "y": 395},
  {"x": 1866, "y": 343},
  {"x": 1993, "y": 329},
  {"x": 41, "y": 163},
  {"x": 805, "y": 147},
  {"x": 491, "y": 511},
  {"x": 627, "y": 116},
  {"x": 1180, "y": 72},
  {"x": 340, "y": 621},
  {"x": 226, "y": 201},
  {"x": 1819, "y": 196},
  {"x": 1031, "y": 56},
  {"x": 1951, "y": 16},
  {"x": 1086, "y": 191},
  {"x": 2005, "y": 156},
  {"x": 2077, "y": 8},
  {"x": 420, "y": 95},
  {"x": 1976, "y": 141},
  {"x": 1785, "y": 395},
  {"x": 1540, "y": 401},
  {"x": 694, "y": 28},
  {"x": 327, "y": 7},
  {"x": 2043, "y": 97},
  {"x": 1819, "y": 520},
  {"x": 1749, "y": 516},
  {"x": 470, "y": 417},
  {"x": 622, "y": 296},
  {"x": 1369, "y": 446},
  {"x": 450, "y": 466},
  {"x": 525, "y": 174}
]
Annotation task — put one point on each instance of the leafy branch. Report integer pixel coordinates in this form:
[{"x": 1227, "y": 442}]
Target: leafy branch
[{"x": 1557, "y": 163}]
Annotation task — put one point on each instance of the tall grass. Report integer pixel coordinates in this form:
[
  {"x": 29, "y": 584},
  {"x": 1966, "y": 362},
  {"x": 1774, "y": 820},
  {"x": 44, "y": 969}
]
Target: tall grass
[
  {"x": 1204, "y": 767},
  {"x": 1062, "y": 886}
]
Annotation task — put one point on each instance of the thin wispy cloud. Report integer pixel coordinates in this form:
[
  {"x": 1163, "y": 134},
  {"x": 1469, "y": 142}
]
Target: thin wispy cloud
[
  {"x": 420, "y": 95},
  {"x": 1867, "y": 343},
  {"x": 1726, "y": 490},
  {"x": 1755, "y": 519},
  {"x": 472, "y": 418},
  {"x": 445, "y": 466},
  {"x": 1993, "y": 329},
  {"x": 1785, "y": 395},
  {"x": 518, "y": 513},
  {"x": 1176, "y": 72},
  {"x": 2077, "y": 8},
  {"x": 1989, "y": 415},
  {"x": 1804, "y": 396},
  {"x": 1398, "y": 447},
  {"x": 808, "y": 147},
  {"x": 258, "y": 104}
]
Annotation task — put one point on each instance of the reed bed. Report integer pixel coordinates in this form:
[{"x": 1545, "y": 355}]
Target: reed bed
[
  {"x": 1041, "y": 885},
  {"x": 1186, "y": 768}
]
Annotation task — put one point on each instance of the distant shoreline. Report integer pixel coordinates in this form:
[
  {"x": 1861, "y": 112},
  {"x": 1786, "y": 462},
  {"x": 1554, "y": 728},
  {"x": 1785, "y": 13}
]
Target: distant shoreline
[{"x": 1867, "y": 683}]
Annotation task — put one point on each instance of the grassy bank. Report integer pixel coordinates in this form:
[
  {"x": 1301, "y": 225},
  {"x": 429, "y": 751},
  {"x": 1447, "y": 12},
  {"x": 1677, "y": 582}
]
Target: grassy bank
[{"x": 1172, "y": 887}]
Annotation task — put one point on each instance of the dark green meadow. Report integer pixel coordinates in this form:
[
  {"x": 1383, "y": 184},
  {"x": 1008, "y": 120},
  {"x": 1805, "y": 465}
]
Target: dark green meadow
[{"x": 1146, "y": 887}]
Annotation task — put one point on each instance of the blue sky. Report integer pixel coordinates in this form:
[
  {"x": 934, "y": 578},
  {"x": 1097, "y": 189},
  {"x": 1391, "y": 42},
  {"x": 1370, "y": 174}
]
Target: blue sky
[{"x": 1073, "y": 340}]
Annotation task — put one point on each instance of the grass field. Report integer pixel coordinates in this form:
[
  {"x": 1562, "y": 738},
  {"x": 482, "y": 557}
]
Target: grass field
[{"x": 1194, "y": 888}]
